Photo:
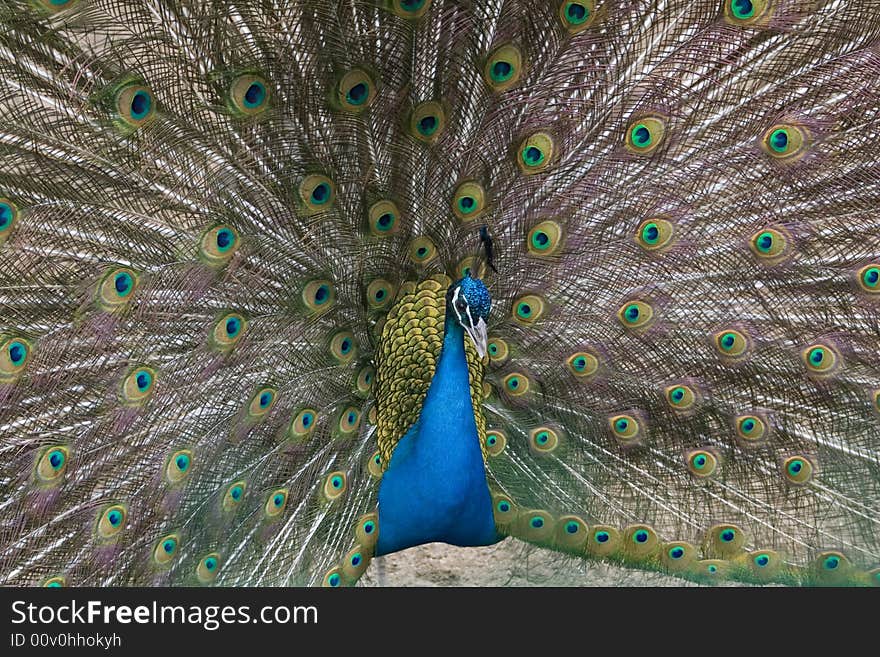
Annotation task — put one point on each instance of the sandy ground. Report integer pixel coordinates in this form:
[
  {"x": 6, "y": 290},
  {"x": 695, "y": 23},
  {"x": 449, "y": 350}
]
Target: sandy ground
[{"x": 509, "y": 563}]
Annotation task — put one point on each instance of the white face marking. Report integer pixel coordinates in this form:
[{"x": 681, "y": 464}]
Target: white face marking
[{"x": 467, "y": 308}]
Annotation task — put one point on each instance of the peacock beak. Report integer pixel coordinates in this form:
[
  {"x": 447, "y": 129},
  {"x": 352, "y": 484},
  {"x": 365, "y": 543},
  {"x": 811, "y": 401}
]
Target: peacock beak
[{"x": 478, "y": 336}]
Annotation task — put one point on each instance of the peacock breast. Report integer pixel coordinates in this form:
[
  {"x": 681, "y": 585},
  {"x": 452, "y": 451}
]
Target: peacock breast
[{"x": 406, "y": 356}]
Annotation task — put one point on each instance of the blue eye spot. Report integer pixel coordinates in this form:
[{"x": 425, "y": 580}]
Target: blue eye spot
[
  {"x": 743, "y": 8},
  {"x": 17, "y": 353},
  {"x": 357, "y": 94},
  {"x": 255, "y": 95},
  {"x": 602, "y": 537},
  {"x": 225, "y": 239},
  {"x": 235, "y": 493},
  {"x": 306, "y": 420},
  {"x": 632, "y": 313},
  {"x": 795, "y": 467},
  {"x": 727, "y": 340},
  {"x": 122, "y": 283},
  {"x": 351, "y": 418},
  {"x": 336, "y": 482},
  {"x": 621, "y": 425},
  {"x": 641, "y": 135},
  {"x": 533, "y": 155},
  {"x": 640, "y": 536},
  {"x": 779, "y": 140},
  {"x": 322, "y": 294},
  {"x": 56, "y": 459},
  {"x": 712, "y": 568},
  {"x": 501, "y": 70},
  {"x": 320, "y": 194},
  {"x": 210, "y": 563},
  {"x": 182, "y": 462},
  {"x": 356, "y": 559},
  {"x": 169, "y": 546},
  {"x": 428, "y": 125},
  {"x": 652, "y": 233},
  {"x": 369, "y": 526},
  {"x": 114, "y": 518},
  {"x": 346, "y": 346},
  {"x": 385, "y": 221},
  {"x": 676, "y": 552},
  {"x": 232, "y": 327},
  {"x": 728, "y": 535},
  {"x": 265, "y": 399},
  {"x": 143, "y": 381},
  {"x": 576, "y": 13},
  {"x": 677, "y": 394},
  {"x": 278, "y": 500},
  {"x": 334, "y": 580},
  {"x": 762, "y": 560},
  {"x": 748, "y": 425},
  {"x": 831, "y": 563},
  {"x": 5, "y": 215},
  {"x": 537, "y": 522},
  {"x": 140, "y": 105},
  {"x": 572, "y": 527},
  {"x": 504, "y": 507}
]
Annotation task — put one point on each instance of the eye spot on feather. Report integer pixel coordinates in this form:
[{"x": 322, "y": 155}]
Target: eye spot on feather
[
  {"x": 8, "y": 218},
  {"x": 528, "y": 309},
  {"x": 701, "y": 463},
  {"x": 208, "y": 568},
  {"x": 655, "y": 234},
  {"x": 822, "y": 360},
  {"x": 15, "y": 354},
  {"x": 636, "y": 315},
  {"x": 303, "y": 424},
  {"x": 318, "y": 296},
  {"x": 751, "y": 430},
  {"x": 411, "y": 9},
  {"x": 422, "y": 250},
  {"x": 535, "y": 153},
  {"x": 427, "y": 122},
  {"x": 498, "y": 351},
  {"x": 262, "y": 402},
  {"x": 583, "y": 364},
  {"x": 248, "y": 95},
  {"x": 349, "y": 422},
  {"x": 165, "y": 550},
  {"x": 544, "y": 239},
  {"x": 577, "y": 16},
  {"x": 732, "y": 345},
  {"x": 627, "y": 429},
  {"x": 503, "y": 68},
  {"x": 543, "y": 440},
  {"x": 645, "y": 135},
  {"x": 798, "y": 470},
  {"x": 355, "y": 91},
  {"x": 134, "y": 105},
  {"x": 496, "y": 442},
  {"x": 468, "y": 201},
  {"x": 51, "y": 464},
  {"x": 138, "y": 386},
  {"x": 785, "y": 141},
  {"x": 868, "y": 278},
  {"x": 227, "y": 332},
  {"x": 276, "y": 503},
  {"x": 177, "y": 468},
  {"x": 335, "y": 485},
  {"x": 745, "y": 12},
  {"x": 111, "y": 521},
  {"x": 234, "y": 495},
  {"x": 218, "y": 244},
  {"x": 317, "y": 193}
]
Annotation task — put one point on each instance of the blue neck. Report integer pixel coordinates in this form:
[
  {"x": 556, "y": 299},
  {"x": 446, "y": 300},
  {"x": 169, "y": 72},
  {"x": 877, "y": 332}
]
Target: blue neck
[{"x": 435, "y": 486}]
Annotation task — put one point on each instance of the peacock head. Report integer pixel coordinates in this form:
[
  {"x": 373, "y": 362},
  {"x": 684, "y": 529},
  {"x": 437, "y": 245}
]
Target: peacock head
[{"x": 468, "y": 301}]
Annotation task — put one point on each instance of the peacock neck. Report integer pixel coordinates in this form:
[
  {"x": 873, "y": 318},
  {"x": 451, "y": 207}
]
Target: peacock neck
[
  {"x": 435, "y": 487},
  {"x": 447, "y": 418}
]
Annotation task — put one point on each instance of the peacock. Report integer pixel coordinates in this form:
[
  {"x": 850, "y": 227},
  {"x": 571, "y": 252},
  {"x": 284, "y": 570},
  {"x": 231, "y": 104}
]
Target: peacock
[{"x": 286, "y": 286}]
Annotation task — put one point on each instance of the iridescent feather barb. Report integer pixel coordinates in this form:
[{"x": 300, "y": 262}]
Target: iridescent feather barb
[{"x": 237, "y": 265}]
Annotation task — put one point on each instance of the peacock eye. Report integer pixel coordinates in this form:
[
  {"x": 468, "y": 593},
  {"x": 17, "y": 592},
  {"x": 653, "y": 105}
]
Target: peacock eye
[{"x": 460, "y": 306}]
